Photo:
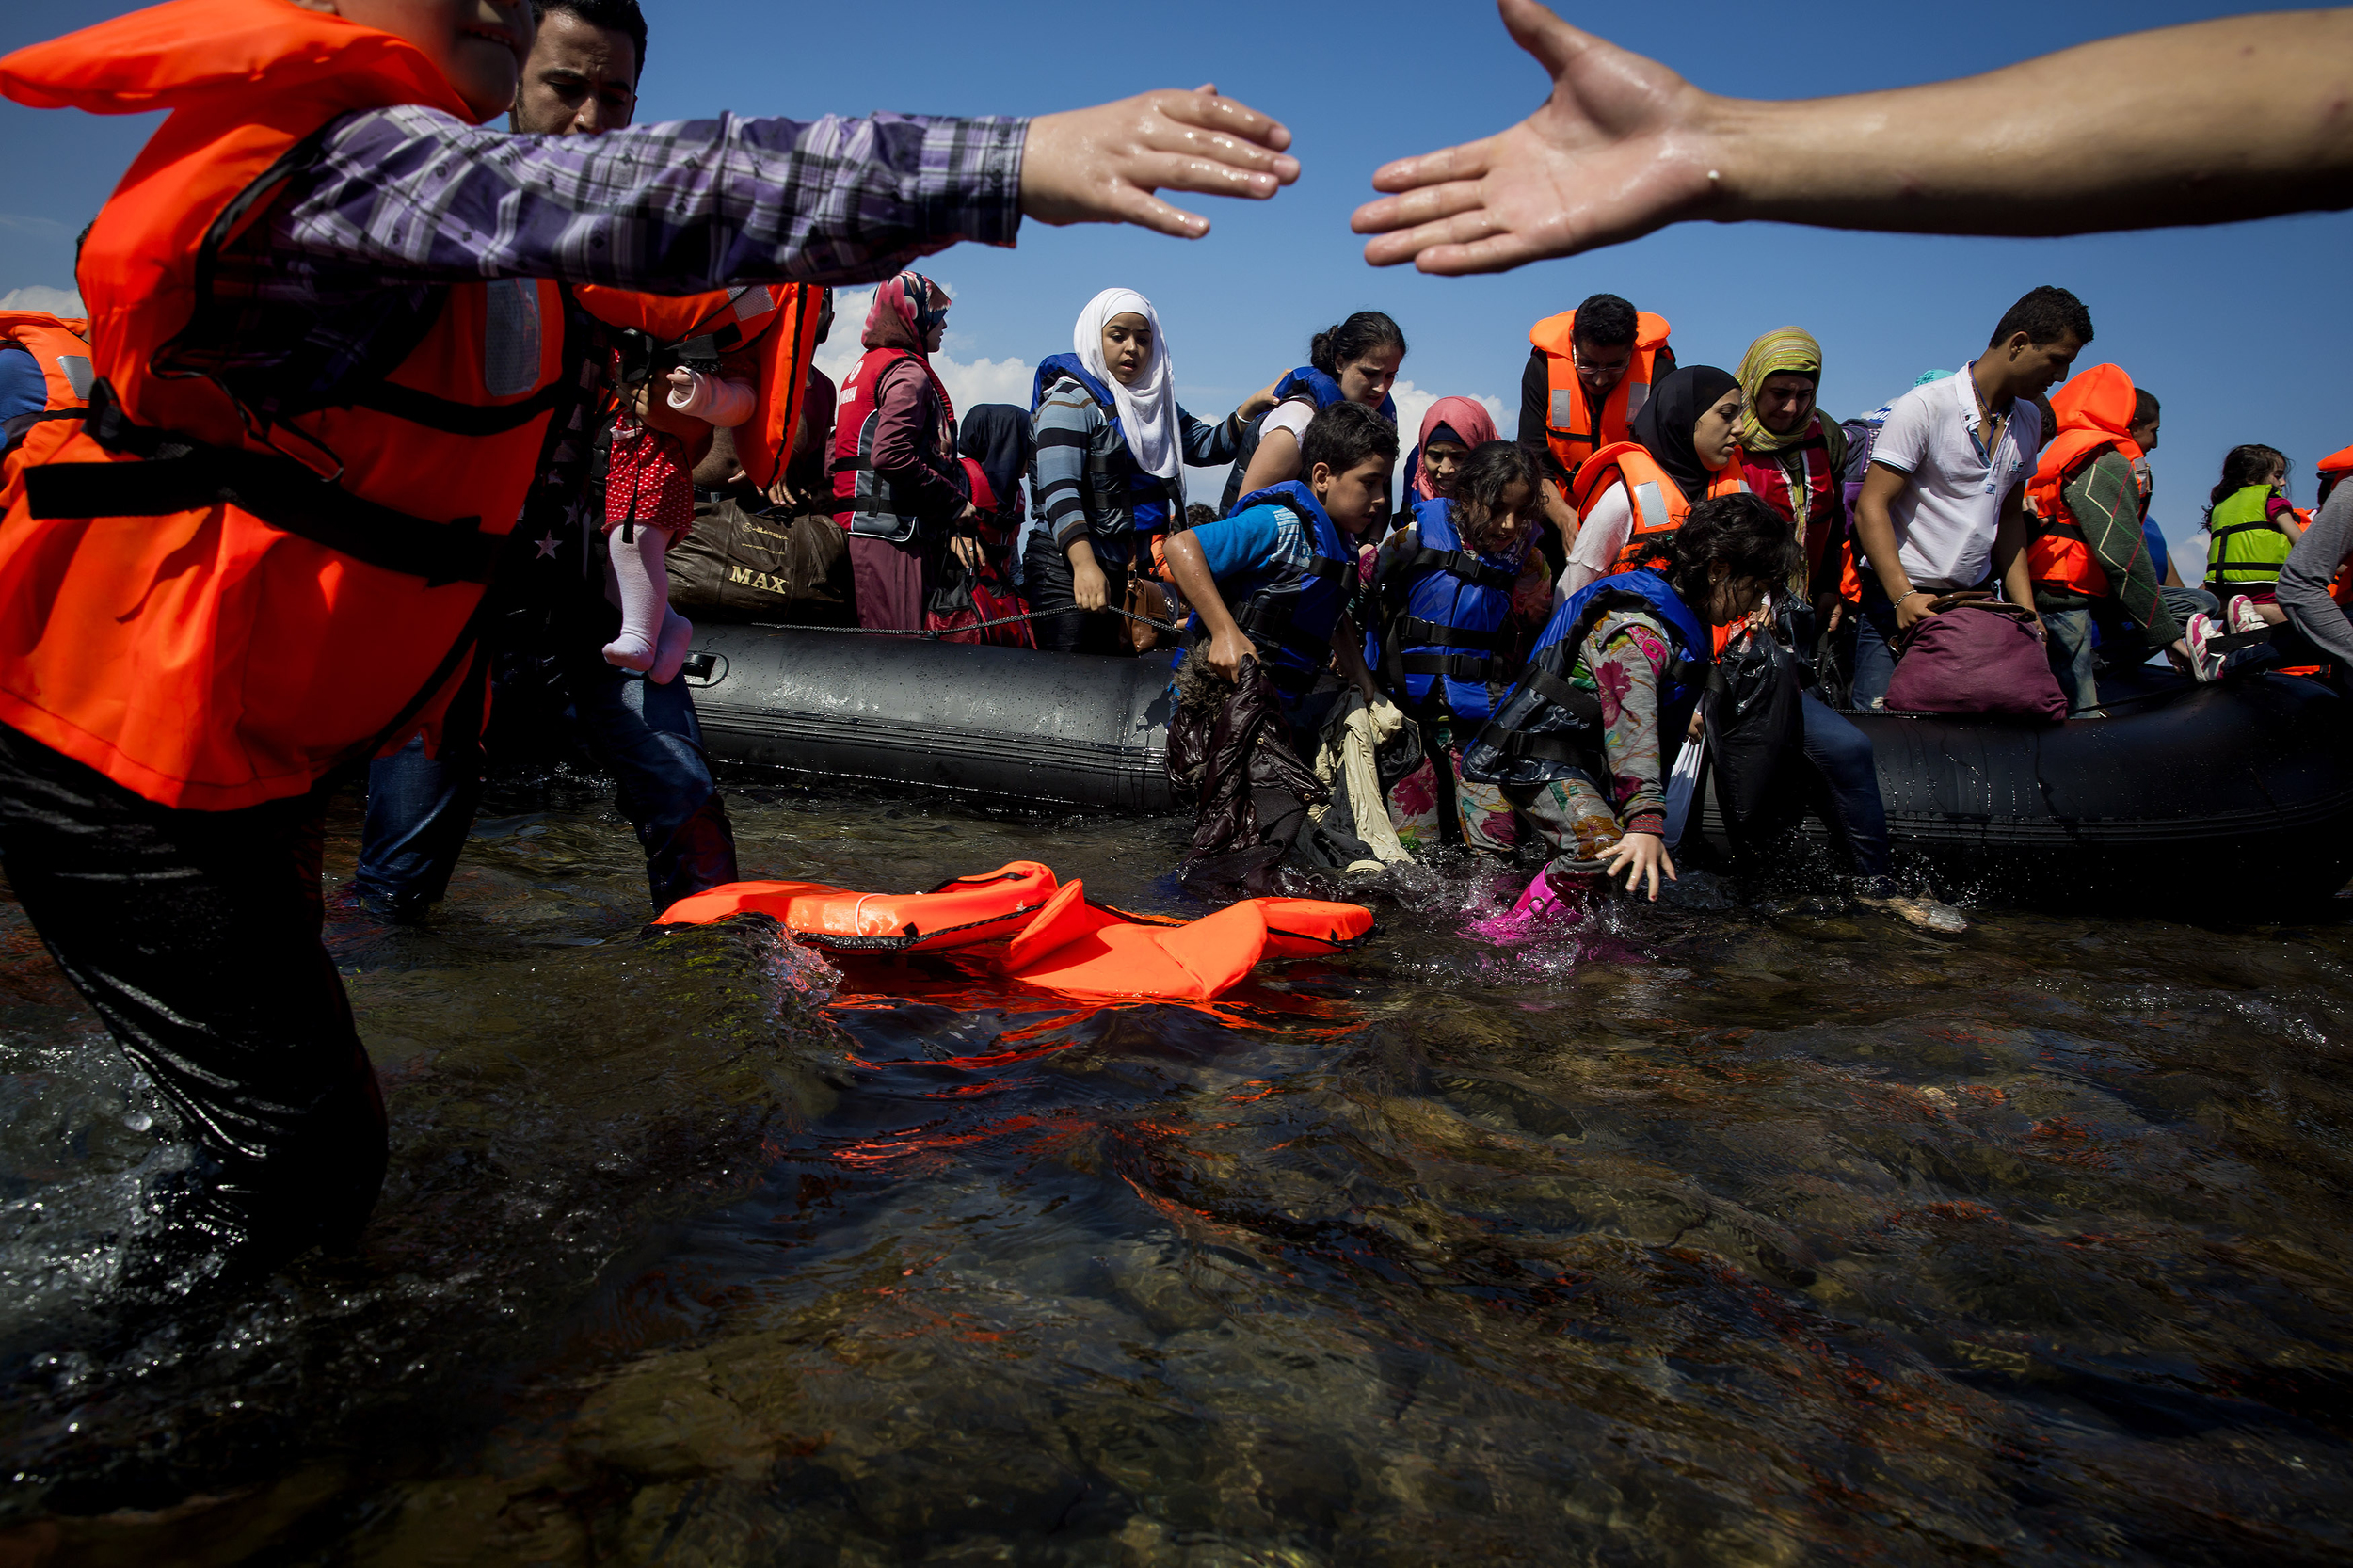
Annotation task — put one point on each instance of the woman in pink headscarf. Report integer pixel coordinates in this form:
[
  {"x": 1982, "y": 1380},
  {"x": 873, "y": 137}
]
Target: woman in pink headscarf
[
  {"x": 898, "y": 485},
  {"x": 1451, "y": 427}
]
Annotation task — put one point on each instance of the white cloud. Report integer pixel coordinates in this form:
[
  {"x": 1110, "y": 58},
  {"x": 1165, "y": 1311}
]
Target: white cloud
[{"x": 35, "y": 297}]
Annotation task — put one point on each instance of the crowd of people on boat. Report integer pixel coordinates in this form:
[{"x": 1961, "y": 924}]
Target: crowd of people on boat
[
  {"x": 412, "y": 370},
  {"x": 1510, "y": 619}
]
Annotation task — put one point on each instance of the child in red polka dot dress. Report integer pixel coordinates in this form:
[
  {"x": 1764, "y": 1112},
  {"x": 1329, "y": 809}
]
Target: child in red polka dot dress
[{"x": 649, "y": 496}]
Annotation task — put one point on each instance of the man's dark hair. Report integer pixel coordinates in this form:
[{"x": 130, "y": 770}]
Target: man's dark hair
[
  {"x": 2045, "y": 316},
  {"x": 1345, "y": 436},
  {"x": 1744, "y": 532},
  {"x": 1606, "y": 322},
  {"x": 2144, "y": 406},
  {"x": 617, "y": 16}
]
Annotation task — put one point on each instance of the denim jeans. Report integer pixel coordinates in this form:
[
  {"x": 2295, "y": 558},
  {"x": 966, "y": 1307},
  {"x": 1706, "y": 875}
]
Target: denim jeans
[
  {"x": 1874, "y": 644},
  {"x": 2076, "y": 660},
  {"x": 420, "y": 810},
  {"x": 1841, "y": 756}
]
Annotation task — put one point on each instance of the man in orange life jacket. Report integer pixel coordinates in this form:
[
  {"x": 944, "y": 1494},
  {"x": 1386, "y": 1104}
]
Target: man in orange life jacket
[
  {"x": 238, "y": 576},
  {"x": 1589, "y": 372},
  {"x": 557, "y": 695}
]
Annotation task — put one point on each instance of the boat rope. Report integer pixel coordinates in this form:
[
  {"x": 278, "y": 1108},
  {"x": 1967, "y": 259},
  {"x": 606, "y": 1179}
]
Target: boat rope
[{"x": 958, "y": 630}]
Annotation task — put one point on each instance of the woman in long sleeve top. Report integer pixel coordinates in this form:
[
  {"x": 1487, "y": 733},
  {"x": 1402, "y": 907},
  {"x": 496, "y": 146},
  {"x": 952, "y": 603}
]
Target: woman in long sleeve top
[{"x": 1109, "y": 472}]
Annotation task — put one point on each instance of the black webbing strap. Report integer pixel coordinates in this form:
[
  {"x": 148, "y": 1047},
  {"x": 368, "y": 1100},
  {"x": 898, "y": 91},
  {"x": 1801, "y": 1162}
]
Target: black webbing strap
[
  {"x": 2061, "y": 528},
  {"x": 1566, "y": 746},
  {"x": 279, "y": 491},
  {"x": 1459, "y": 564},
  {"x": 2267, "y": 526},
  {"x": 457, "y": 418},
  {"x": 15, "y": 430},
  {"x": 1414, "y": 632},
  {"x": 1456, "y": 667}
]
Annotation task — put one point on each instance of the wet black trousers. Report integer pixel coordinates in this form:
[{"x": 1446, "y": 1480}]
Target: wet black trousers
[{"x": 197, "y": 936}]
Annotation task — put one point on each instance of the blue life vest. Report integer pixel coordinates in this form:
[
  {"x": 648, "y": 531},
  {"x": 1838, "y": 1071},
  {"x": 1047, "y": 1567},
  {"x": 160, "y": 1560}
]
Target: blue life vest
[
  {"x": 1308, "y": 382},
  {"x": 1122, "y": 495},
  {"x": 1446, "y": 633},
  {"x": 1547, "y": 727},
  {"x": 1290, "y": 616}
]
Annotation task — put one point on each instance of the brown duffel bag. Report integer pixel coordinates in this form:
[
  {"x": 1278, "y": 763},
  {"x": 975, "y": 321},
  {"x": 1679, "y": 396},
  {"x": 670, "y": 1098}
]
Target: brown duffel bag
[{"x": 772, "y": 565}]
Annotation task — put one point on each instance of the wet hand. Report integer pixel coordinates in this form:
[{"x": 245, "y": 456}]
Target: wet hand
[
  {"x": 1640, "y": 856},
  {"x": 1088, "y": 585},
  {"x": 1258, "y": 403},
  {"x": 968, "y": 549},
  {"x": 1227, "y": 651},
  {"x": 1616, "y": 151},
  {"x": 1103, "y": 165},
  {"x": 2178, "y": 652}
]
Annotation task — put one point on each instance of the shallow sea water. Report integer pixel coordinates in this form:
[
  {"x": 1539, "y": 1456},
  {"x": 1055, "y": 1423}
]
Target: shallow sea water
[{"x": 1756, "y": 1234}]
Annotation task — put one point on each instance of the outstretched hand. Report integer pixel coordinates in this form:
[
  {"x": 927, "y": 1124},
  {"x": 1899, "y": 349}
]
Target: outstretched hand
[
  {"x": 1616, "y": 151},
  {"x": 1104, "y": 165}
]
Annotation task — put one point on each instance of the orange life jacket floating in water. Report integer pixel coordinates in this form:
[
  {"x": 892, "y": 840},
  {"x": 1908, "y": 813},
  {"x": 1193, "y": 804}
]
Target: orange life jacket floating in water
[
  {"x": 1058, "y": 941},
  {"x": 959, "y": 913}
]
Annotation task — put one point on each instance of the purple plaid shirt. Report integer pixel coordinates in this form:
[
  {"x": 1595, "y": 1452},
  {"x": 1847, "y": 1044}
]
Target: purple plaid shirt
[{"x": 339, "y": 279}]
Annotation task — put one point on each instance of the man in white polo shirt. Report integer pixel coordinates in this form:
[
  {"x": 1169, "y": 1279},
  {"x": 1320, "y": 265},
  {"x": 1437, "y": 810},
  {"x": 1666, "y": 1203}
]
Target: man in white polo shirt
[{"x": 1943, "y": 504}]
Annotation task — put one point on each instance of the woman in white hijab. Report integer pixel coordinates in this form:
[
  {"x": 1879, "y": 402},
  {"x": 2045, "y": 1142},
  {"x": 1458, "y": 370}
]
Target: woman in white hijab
[{"x": 1109, "y": 475}]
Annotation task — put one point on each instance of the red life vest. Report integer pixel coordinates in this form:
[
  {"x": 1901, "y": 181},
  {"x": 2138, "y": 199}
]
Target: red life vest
[
  {"x": 1567, "y": 429},
  {"x": 2095, "y": 409},
  {"x": 1768, "y": 475},
  {"x": 776, "y": 322},
  {"x": 60, "y": 347},
  {"x": 1659, "y": 504},
  {"x": 212, "y": 653},
  {"x": 864, "y": 501}
]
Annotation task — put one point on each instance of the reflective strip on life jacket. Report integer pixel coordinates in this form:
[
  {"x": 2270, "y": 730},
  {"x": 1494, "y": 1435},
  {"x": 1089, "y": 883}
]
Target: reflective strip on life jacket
[
  {"x": 2244, "y": 546},
  {"x": 1565, "y": 405},
  {"x": 1658, "y": 506}
]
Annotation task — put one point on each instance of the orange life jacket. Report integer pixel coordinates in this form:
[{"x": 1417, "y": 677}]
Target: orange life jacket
[
  {"x": 1567, "y": 428},
  {"x": 778, "y": 322},
  {"x": 1658, "y": 502},
  {"x": 60, "y": 345},
  {"x": 214, "y": 653},
  {"x": 1055, "y": 940},
  {"x": 2094, "y": 410}
]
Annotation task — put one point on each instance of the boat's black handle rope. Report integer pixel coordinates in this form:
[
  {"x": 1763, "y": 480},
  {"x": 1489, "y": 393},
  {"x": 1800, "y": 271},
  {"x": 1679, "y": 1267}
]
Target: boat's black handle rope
[{"x": 955, "y": 631}]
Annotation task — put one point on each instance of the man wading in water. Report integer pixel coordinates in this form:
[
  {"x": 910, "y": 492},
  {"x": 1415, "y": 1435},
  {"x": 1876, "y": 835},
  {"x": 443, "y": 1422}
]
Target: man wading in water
[{"x": 188, "y": 676}]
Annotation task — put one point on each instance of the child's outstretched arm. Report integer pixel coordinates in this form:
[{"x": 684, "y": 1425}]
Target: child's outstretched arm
[{"x": 2210, "y": 123}]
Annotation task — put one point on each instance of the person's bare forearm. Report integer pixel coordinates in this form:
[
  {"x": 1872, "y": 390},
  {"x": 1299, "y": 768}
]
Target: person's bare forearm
[
  {"x": 2206, "y": 124},
  {"x": 1875, "y": 535},
  {"x": 2211, "y": 123},
  {"x": 2009, "y": 551},
  {"x": 1191, "y": 569}
]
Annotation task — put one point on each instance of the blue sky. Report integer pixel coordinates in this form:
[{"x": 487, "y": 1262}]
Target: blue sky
[{"x": 2241, "y": 330}]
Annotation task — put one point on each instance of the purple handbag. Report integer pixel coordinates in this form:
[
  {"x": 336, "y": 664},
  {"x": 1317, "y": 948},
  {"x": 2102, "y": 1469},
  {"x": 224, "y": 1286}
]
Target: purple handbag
[{"x": 1975, "y": 656}]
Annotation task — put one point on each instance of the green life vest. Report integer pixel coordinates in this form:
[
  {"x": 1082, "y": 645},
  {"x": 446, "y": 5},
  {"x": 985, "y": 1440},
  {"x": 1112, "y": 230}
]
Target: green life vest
[{"x": 2245, "y": 547}]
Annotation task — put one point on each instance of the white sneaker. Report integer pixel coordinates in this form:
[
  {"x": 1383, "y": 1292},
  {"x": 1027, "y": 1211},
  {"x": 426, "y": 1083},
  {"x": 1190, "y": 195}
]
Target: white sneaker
[
  {"x": 2203, "y": 662},
  {"x": 2243, "y": 616}
]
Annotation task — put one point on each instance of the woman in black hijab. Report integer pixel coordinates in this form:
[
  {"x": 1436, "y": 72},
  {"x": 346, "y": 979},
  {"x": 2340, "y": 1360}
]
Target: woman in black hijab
[{"x": 1689, "y": 429}]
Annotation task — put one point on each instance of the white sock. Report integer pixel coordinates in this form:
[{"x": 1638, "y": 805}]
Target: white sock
[{"x": 644, "y": 583}]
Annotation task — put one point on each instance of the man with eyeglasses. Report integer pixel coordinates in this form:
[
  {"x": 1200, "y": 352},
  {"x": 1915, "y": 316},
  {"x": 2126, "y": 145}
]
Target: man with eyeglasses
[{"x": 1589, "y": 373}]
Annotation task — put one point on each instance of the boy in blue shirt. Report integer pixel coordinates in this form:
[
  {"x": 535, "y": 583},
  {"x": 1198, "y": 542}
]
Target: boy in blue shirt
[{"x": 1271, "y": 583}]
